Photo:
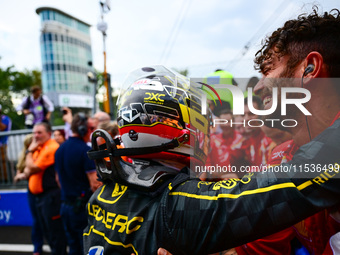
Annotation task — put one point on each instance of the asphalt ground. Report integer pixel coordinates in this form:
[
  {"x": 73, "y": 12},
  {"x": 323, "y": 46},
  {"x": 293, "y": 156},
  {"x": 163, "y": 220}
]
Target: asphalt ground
[{"x": 16, "y": 240}]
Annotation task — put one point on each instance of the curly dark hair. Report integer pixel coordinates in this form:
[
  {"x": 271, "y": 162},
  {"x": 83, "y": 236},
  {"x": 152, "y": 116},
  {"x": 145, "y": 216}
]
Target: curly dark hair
[{"x": 298, "y": 37}]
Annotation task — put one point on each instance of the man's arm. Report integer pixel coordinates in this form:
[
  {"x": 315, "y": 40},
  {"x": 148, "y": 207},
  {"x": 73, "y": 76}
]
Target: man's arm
[
  {"x": 31, "y": 167},
  {"x": 48, "y": 104},
  {"x": 67, "y": 115},
  {"x": 94, "y": 183},
  {"x": 222, "y": 215},
  {"x": 48, "y": 115},
  {"x": 20, "y": 107},
  {"x": 3, "y": 126},
  {"x": 5, "y": 123},
  {"x": 204, "y": 217}
]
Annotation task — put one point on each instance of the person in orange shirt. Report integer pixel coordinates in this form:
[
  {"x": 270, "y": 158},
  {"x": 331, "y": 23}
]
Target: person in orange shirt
[{"x": 43, "y": 187}]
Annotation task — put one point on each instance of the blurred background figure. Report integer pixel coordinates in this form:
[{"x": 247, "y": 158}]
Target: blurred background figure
[
  {"x": 92, "y": 122},
  {"x": 221, "y": 77},
  {"x": 213, "y": 129},
  {"x": 22, "y": 158},
  {"x": 257, "y": 144},
  {"x": 239, "y": 126},
  {"x": 78, "y": 180},
  {"x": 67, "y": 118},
  {"x": 36, "y": 107},
  {"x": 278, "y": 137},
  {"x": 44, "y": 192},
  {"x": 226, "y": 148},
  {"x": 99, "y": 118},
  {"x": 59, "y": 136},
  {"x": 5, "y": 125},
  {"x": 111, "y": 127},
  {"x": 37, "y": 236}
]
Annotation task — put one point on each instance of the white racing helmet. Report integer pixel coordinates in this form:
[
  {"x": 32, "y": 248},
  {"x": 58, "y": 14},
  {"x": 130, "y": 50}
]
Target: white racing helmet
[{"x": 160, "y": 118}]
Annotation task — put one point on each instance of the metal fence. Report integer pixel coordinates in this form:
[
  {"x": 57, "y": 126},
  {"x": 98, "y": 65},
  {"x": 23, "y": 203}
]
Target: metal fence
[{"x": 9, "y": 157}]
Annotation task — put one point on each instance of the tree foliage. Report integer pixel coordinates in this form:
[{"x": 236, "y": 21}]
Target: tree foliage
[
  {"x": 14, "y": 82},
  {"x": 184, "y": 72}
]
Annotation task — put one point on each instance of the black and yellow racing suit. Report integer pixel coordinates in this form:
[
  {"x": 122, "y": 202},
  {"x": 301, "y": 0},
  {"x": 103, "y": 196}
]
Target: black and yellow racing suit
[{"x": 190, "y": 216}]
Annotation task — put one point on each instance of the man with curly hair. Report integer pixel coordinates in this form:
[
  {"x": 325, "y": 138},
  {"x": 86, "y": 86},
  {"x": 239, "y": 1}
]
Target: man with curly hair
[{"x": 305, "y": 53}]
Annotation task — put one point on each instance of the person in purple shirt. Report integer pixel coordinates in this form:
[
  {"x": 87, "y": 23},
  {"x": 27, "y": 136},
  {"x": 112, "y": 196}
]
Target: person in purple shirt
[{"x": 36, "y": 107}]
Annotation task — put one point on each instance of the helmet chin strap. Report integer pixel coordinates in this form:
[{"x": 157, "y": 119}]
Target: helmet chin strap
[{"x": 145, "y": 177}]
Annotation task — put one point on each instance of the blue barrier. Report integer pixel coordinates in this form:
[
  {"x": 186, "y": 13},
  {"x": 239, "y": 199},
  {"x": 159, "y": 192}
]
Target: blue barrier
[{"x": 14, "y": 208}]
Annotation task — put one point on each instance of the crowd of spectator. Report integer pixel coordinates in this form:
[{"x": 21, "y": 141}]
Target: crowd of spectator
[{"x": 60, "y": 176}]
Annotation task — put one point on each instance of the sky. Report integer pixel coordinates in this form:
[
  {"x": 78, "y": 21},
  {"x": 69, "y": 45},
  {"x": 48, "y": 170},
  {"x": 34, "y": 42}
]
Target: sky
[{"x": 196, "y": 35}]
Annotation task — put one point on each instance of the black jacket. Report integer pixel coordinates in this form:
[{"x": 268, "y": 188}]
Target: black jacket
[{"x": 195, "y": 217}]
